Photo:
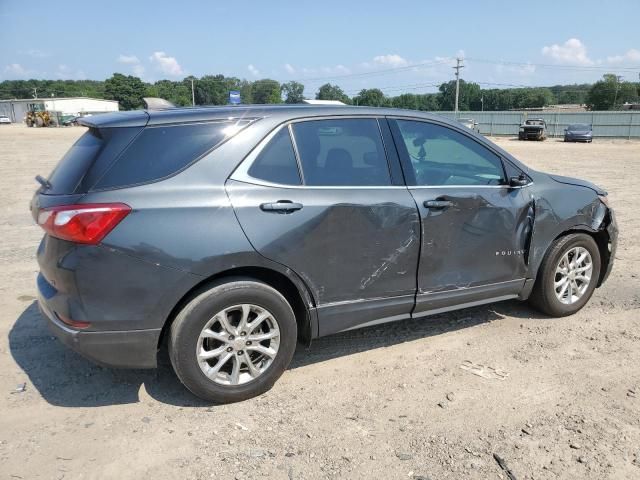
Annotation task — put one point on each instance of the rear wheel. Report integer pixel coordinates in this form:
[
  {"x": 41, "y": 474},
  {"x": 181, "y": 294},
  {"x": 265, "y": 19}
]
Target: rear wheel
[
  {"x": 568, "y": 275},
  {"x": 233, "y": 341}
]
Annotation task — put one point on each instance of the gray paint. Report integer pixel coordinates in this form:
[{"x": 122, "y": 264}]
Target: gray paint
[{"x": 355, "y": 255}]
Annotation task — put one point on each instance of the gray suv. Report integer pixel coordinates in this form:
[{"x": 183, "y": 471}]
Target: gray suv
[{"x": 228, "y": 234}]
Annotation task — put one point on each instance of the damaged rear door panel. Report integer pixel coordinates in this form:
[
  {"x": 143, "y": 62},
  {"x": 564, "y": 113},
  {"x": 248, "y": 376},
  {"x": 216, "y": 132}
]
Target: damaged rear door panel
[{"x": 356, "y": 246}]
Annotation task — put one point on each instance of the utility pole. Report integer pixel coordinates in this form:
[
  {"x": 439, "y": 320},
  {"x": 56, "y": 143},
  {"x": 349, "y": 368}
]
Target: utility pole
[
  {"x": 457, "y": 69},
  {"x": 615, "y": 97},
  {"x": 193, "y": 94},
  {"x": 35, "y": 92}
]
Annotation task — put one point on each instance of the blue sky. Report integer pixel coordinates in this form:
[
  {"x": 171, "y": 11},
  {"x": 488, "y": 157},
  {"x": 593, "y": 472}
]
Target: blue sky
[{"x": 402, "y": 46}]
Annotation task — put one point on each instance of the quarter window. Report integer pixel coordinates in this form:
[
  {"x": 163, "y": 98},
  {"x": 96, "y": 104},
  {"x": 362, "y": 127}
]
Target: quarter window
[
  {"x": 161, "y": 151},
  {"x": 443, "y": 156},
  {"x": 342, "y": 152},
  {"x": 276, "y": 162}
]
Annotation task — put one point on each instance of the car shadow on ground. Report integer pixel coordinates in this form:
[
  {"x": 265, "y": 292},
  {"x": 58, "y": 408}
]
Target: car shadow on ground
[{"x": 64, "y": 378}]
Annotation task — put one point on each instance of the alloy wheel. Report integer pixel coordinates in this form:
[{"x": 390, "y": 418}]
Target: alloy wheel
[
  {"x": 238, "y": 344},
  {"x": 573, "y": 275}
]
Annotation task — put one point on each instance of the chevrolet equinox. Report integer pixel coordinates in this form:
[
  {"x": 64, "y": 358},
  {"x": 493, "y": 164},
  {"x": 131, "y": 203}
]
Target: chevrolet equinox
[{"x": 227, "y": 234}]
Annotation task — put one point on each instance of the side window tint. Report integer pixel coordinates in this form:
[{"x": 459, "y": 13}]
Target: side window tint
[
  {"x": 276, "y": 162},
  {"x": 511, "y": 170},
  {"x": 160, "y": 151},
  {"x": 342, "y": 152},
  {"x": 443, "y": 156}
]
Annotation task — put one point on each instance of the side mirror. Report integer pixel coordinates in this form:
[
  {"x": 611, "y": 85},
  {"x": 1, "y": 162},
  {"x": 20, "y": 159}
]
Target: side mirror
[{"x": 519, "y": 181}]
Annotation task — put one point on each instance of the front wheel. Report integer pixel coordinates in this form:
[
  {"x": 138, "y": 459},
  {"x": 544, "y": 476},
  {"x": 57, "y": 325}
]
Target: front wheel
[
  {"x": 233, "y": 341},
  {"x": 568, "y": 275}
]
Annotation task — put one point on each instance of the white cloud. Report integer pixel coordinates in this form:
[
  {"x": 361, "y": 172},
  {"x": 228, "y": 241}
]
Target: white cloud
[
  {"x": 253, "y": 70},
  {"x": 522, "y": 70},
  {"x": 572, "y": 52},
  {"x": 632, "y": 55},
  {"x": 64, "y": 72},
  {"x": 128, "y": 59},
  {"x": 134, "y": 62},
  {"x": 289, "y": 68},
  {"x": 166, "y": 64},
  {"x": 35, "y": 53},
  {"x": 391, "y": 60},
  {"x": 15, "y": 70}
]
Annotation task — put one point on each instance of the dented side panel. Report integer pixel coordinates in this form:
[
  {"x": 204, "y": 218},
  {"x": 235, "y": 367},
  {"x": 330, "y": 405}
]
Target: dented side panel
[
  {"x": 482, "y": 238},
  {"x": 559, "y": 208},
  {"x": 347, "y": 245}
]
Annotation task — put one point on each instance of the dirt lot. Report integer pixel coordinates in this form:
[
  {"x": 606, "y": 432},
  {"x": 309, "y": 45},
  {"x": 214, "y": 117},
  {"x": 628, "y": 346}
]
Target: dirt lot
[{"x": 384, "y": 402}]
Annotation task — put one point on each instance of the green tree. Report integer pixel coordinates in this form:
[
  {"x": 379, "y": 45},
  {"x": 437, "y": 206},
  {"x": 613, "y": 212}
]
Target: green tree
[
  {"x": 266, "y": 91},
  {"x": 126, "y": 89},
  {"x": 176, "y": 92},
  {"x": 332, "y": 92},
  {"x": 372, "y": 97},
  {"x": 293, "y": 92},
  {"x": 426, "y": 102},
  {"x": 468, "y": 97},
  {"x": 609, "y": 93}
]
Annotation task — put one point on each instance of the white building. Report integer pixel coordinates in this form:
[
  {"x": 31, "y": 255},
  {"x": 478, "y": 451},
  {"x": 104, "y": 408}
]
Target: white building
[{"x": 17, "y": 109}]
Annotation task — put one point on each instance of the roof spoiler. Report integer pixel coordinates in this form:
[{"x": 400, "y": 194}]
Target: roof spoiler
[{"x": 155, "y": 103}]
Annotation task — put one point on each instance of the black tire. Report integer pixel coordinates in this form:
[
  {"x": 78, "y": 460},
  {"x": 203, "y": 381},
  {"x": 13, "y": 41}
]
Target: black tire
[
  {"x": 188, "y": 324},
  {"x": 543, "y": 296}
]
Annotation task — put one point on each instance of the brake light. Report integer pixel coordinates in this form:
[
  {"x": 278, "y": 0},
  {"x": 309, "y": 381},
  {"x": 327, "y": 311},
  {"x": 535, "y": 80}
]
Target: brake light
[
  {"x": 86, "y": 223},
  {"x": 73, "y": 323}
]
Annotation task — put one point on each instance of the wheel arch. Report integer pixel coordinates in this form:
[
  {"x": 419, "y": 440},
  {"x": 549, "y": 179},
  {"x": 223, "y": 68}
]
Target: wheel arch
[
  {"x": 601, "y": 237},
  {"x": 295, "y": 291}
]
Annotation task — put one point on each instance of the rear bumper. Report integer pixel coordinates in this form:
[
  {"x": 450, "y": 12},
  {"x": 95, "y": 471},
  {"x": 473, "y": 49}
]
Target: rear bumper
[{"x": 124, "y": 349}]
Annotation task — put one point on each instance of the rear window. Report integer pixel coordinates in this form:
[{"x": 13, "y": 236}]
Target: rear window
[
  {"x": 88, "y": 158},
  {"x": 161, "y": 151}
]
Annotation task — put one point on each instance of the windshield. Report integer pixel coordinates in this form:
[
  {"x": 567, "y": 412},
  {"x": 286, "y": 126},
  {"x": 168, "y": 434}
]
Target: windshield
[
  {"x": 534, "y": 122},
  {"x": 579, "y": 126}
]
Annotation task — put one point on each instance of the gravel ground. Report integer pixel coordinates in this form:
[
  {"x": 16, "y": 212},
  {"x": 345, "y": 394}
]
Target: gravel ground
[{"x": 437, "y": 398}]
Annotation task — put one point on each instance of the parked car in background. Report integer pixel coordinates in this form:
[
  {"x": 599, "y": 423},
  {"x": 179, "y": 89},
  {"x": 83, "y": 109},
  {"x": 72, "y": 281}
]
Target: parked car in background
[
  {"x": 470, "y": 123},
  {"x": 578, "y": 132},
  {"x": 533, "y": 129},
  {"x": 70, "y": 120},
  {"x": 4, "y": 120},
  {"x": 226, "y": 234}
]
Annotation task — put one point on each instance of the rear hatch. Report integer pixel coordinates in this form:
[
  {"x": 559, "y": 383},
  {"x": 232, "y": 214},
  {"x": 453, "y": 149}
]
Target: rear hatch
[
  {"x": 81, "y": 167},
  {"x": 88, "y": 159}
]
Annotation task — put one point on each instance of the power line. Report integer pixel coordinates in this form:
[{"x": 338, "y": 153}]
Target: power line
[
  {"x": 375, "y": 72},
  {"x": 562, "y": 67}
]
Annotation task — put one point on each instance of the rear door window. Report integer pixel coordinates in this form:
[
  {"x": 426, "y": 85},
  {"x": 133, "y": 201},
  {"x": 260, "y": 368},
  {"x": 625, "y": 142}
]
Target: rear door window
[
  {"x": 342, "y": 152},
  {"x": 277, "y": 163},
  {"x": 161, "y": 151}
]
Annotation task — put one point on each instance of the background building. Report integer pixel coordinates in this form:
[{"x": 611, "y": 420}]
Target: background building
[{"x": 17, "y": 109}]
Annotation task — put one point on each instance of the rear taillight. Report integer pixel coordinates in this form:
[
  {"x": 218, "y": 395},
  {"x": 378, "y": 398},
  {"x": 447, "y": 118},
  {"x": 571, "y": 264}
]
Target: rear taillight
[
  {"x": 86, "y": 223},
  {"x": 73, "y": 323}
]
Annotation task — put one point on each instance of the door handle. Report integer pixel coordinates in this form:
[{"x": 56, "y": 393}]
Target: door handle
[
  {"x": 437, "y": 204},
  {"x": 282, "y": 206}
]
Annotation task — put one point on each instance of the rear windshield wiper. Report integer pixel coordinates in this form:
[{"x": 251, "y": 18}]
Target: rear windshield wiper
[{"x": 43, "y": 181}]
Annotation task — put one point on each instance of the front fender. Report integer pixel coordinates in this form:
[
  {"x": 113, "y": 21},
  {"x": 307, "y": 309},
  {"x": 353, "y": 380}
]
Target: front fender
[{"x": 560, "y": 209}]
